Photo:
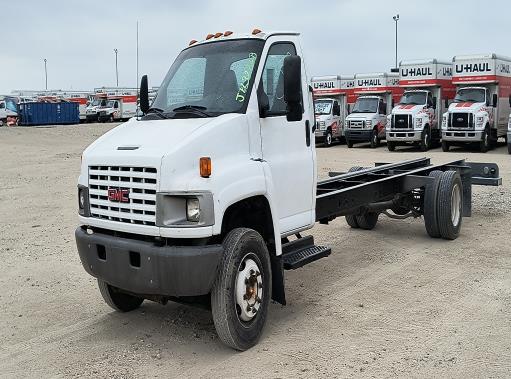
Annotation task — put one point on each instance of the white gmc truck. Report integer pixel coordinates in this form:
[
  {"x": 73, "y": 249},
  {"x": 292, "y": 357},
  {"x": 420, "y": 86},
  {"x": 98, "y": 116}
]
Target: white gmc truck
[{"x": 203, "y": 199}]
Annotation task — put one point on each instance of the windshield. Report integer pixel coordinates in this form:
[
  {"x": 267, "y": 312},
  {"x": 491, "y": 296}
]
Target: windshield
[
  {"x": 323, "y": 106},
  {"x": 413, "y": 98},
  {"x": 365, "y": 105},
  {"x": 471, "y": 95},
  {"x": 214, "y": 77},
  {"x": 110, "y": 103}
]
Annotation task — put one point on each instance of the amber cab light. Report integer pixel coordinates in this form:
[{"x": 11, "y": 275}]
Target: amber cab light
[
  {"x": 256, "y": 31},
  {"x": 205, "y": 167},
  {"x": 192, "y": 42},
  {"x": 227, "y": 33},
  {"x": 218, "y": 35},
  {"x": 209, "y": 36}
]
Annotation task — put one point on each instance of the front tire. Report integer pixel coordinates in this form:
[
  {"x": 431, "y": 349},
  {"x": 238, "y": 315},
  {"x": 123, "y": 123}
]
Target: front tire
[
  {"x": 349, "y": 143},
  {"x": 375, "y": 141},
  {"x": 485, "y": 144},
  {"x": 391, "y": 145},
  {"x": 242, "y": 289},
  {"x": 425, "y": 139},
  {"x": 120, "y": 301},
  {"x": 328, "y": 139},
  {"x": 445, "y": 146},
  {"x": 509, "y": 148}
]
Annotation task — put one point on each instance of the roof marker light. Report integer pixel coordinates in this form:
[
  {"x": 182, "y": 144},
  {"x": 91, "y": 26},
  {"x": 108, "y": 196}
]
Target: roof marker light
[
  {"x": 218, "y": 35},
  {"x": 256, "y": 31},
  {"x": 209, "y": 36},
  {"x": 227, "y": 33},
  {"x": 192, "y": 42}
]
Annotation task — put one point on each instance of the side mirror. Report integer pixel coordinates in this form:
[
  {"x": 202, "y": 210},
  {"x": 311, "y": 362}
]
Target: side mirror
[
  {"x": 446, "y": 102},
  {"x": 293, "y": 87},
  {"x": 434, "y": 103},
  {"x": 144, "y": 95},
  {"x": 495, "y": 100},
  {"x": 510, "y": 100}
]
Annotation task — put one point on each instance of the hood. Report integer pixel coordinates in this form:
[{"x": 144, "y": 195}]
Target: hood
[
  {"x": 361, "y": 116},
  {"x": 466, "y": 107},
  {"x": 407, "y": 109},
  {"x": 323, "y": 117}
]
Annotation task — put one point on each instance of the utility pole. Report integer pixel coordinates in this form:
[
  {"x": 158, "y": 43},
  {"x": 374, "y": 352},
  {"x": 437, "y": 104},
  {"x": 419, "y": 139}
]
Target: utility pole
[
  {"x": 45, "y": 75},
  {"x": 116, "y": 70},
  {"x": 396, "y": 19}
]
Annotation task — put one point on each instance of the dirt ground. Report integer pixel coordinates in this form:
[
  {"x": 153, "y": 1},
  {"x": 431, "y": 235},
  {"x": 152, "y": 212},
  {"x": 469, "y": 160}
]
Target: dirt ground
[{"x": 388, "y": 302}]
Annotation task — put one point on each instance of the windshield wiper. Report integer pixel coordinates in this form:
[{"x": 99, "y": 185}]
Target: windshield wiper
[
  {"x": 158, "y": 111},
  {"x": 197, "y": 109}
]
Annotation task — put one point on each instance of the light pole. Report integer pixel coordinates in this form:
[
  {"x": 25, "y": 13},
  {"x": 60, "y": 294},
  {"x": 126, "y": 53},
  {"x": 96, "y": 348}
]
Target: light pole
[
  {"x": 396, "y": 19},
  {"x": 116, "y": 70},
  {"x": 45, "y": 75}
]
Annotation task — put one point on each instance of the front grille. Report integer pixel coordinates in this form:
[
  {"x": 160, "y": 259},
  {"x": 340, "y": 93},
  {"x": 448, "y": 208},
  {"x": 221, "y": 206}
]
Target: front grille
[
  {"x": 402, "y": 121},
  {"x": 461, "y": 120},
  {"x": 356, "y": 124},
  {"x": 141, "y": 184}
]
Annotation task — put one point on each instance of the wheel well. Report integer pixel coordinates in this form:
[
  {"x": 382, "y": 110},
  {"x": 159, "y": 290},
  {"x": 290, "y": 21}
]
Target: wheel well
[{"x": 253, "y": 213}]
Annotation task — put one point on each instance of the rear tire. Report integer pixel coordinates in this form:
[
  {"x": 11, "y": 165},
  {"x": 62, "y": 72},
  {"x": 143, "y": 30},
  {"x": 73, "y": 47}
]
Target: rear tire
[
  {"x": 425, "y": 139},
  {"x": 244, "y": 271},
  {"x": 450, "y": 205},
  {"x": 120, "y": 301},
  {"x": 430, "y": 205},
  {"x": 485, "y": 144},
  {"x": 367, "y": 220},
  {"x": 391, "y": 145},
  {"x": 351, "y": 220},
  {"x": 445, "y": 146}
]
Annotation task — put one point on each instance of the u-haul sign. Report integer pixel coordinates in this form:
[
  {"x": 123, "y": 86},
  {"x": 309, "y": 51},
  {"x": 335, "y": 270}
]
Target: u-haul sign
[
  {"x": 335, "y": 85},
  {"x": 427, "y": 73},
  {"x": 380, "y": 82},
  {"x": 480, "y": 69}
]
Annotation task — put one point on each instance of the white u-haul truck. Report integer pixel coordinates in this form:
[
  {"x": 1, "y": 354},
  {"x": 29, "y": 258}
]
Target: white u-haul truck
[
  {"x": 118, "y": 107},
  {"x": 204, "y": 197},
  {"x": 376, "y": 94},
  {"x": 332, "y": 95},
  {"x": 481, "y": 107},
  {"x": 417, "y": 118}
]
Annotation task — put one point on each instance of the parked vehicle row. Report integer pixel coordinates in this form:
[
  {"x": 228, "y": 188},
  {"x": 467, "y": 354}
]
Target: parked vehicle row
[{"x": 427, "y": 103}]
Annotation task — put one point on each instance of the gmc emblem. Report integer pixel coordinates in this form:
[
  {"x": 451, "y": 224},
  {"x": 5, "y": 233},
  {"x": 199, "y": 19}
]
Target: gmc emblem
[{"x": 119, "y": 195}]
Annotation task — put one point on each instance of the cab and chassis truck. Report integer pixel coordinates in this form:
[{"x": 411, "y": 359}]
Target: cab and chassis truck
[
  {"x": 481, "y": 107},
  {"x": 417, "y": 118},
  {"x": 204, "y": 198}
]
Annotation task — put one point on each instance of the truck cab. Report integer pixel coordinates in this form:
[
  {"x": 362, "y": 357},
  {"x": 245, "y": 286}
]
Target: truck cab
[
  {"x": 479, "y": 113},
  {"x": 367, "y": 120},
  {"x": 328, "y": 120},
  {"x": 111, "y": 111},
  {"x": 91, "y": 112}
]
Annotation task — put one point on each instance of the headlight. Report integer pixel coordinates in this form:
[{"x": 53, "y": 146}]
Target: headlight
[
  {"x": 444, "y": 122},
  {"x": 193, "y": 210},
  {"x": 509, "y": 125},
  {"x": 369, "y": 124},
  {"x": 479, "y": 121},
  {"x": 418, "y": 122}
]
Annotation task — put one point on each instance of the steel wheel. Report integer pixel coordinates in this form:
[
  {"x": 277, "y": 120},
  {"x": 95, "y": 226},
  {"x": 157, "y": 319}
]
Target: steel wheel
[
  {"x": 328, "y": 139},
  {"x": 249, "y": 289},
  {"x": 455, "y": 204}
]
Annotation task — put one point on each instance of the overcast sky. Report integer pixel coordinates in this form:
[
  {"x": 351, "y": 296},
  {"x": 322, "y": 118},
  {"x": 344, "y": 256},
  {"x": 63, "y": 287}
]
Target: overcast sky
[{"x": 339, "y": 37}]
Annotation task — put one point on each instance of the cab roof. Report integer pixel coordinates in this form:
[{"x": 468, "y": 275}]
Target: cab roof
[
  {"x": 422, "y": 61},
  {"x": 264, "y": 35},
  {"x": 479, "y": 57}
]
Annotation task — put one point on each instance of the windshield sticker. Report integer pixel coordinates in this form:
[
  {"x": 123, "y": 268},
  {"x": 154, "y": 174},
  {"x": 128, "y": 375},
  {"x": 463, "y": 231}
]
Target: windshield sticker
[{"x": 245, "y": 78}]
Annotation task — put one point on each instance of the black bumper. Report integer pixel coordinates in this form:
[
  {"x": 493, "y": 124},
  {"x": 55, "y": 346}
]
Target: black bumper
[
  {"x": 143, "y": 268},
  {"x": 358, "y": 135},
  {"x": 91, "y": 117}
]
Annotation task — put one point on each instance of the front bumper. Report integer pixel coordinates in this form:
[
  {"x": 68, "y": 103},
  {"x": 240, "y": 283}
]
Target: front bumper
[
  {"x": 407, "y": 135},
  {"x": 320, "y": 135},
  {"x": 144, "y": 268},
  {"x": 91, "y": 117},
  {"x": 358, "y": 135},
  {"x": 462, "y": 135}
]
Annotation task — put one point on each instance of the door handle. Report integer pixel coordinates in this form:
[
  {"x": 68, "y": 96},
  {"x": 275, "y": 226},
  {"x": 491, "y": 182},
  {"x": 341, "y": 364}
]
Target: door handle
[{"x": 307, "y": 133}]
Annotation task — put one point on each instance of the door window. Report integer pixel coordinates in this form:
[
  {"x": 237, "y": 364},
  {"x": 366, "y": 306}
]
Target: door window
[{"x": 272, "y": 80}]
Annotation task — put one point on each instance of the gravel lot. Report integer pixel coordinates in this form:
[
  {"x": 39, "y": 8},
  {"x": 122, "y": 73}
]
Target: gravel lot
[{"x": 389, "y": 302}]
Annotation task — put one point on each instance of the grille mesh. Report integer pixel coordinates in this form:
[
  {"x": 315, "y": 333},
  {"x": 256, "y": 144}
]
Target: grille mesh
[{"x": 141, "y": 184}]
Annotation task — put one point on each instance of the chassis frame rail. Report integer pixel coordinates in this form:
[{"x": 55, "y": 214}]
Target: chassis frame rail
[{"x": 346, "y": 193}]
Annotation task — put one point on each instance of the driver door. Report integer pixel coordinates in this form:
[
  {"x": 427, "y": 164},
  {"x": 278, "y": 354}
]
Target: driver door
[{"x": 287, "y": 147}]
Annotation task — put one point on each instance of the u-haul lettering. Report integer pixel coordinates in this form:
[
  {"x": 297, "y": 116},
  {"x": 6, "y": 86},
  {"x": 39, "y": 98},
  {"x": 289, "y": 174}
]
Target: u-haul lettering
[
  {"x": 473, "y": 68},
  {"x": 323, "y": 85},
  {"x": 369, "y": 82},
  {"x": 416, "y": 72}
]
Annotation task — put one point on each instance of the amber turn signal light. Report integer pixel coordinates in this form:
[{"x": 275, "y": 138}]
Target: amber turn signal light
[{"x": 205, "y": 167}]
